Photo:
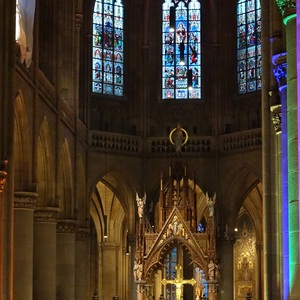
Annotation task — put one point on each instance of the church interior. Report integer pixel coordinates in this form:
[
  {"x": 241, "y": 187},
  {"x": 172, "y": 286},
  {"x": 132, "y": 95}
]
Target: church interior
[{"x": 149, "y": 150}]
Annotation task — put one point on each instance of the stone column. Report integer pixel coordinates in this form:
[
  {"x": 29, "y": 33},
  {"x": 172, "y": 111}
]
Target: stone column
[
  {"x": 139, "y": 291},
  {"x": 267, "y": 151},
  {"x": 288, "y": 10},
  {"x": 259, "y": 288},
  {"x": 7, "y": 96},
  {"x": 110, "y": 275},
  {"x": 65, "y": 259},
  {"x": 226, "y": 265},
  {"x": 44, "y": 259},
  {"x": 24, "y": 204},
  {"x": 81, "y": 264},
  {"x": 279, "y": 70}
]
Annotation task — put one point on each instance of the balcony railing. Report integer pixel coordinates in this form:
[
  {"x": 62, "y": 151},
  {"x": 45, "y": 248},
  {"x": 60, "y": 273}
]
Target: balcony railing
[{"x": 114, "y": 142}]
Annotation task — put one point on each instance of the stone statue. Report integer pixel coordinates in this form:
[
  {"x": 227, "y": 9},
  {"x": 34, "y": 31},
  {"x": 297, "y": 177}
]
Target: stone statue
[
  {"x": 137, "y": 270},
  {"x": 178, "y": 137},
  {"x": 140, "y": 204},
  {"x": 211, "y": 270},
  {"x": 210, "y": 203}
]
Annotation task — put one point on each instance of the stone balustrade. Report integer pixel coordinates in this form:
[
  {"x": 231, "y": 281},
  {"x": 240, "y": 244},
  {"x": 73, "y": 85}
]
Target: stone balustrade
[{"x": 113, "y": 142}]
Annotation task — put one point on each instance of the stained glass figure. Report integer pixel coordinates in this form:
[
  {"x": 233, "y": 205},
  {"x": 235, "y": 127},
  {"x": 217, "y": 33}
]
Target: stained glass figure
[
  {"x": 108, "y": 48},
  {"x": 248, "y": 46},
  {"x": 181, "y": 50}
]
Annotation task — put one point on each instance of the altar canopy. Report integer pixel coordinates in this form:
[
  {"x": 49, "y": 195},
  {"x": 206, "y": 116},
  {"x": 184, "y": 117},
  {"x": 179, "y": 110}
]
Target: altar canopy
[{"x": 176, "y": 249}]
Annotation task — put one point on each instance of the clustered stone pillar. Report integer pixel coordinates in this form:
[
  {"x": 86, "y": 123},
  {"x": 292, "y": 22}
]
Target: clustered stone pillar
[
  {"x": 44, "y": 262},
  {"x": 226, "y": 267},
  {"x": 110, "y": 274},
  {"x": 81, "y": 265},
  {"x": 288, "y": 9},
  {"x": 65, "y": 260},
  {"x": 24, "y": 204},
  {"x": 279, "y": 70},
  {"x": 7, "y": 95}
]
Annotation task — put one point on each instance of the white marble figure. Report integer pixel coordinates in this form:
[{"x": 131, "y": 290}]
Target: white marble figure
[
  {"x": 140, "y": 204},
  {"x": 211, "y": 203}
]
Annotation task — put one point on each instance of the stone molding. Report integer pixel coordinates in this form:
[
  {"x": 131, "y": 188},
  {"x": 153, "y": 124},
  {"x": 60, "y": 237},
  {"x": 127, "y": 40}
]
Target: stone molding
[
  {"x": 82, "y": 234},
  {"x": 25, "y": 200},
  {"x": 67, "y": 226},
  {"x": 78, "y": 20},
  {"x": 46, "y": 214}
]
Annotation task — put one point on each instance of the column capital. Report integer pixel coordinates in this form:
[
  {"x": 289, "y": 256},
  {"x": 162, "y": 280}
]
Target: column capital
[
  {"x": 46, "y": 214},
  {"x": 287, "y": 7},
  {"x": 78, "y": 20},
  {"x": 67, "y": 226},
  {"x": 279, "y": 69},
  {"x": 25, "y": 200},
  {"x": 82, "y": 234},
  {"x": 276, "y": 117}
]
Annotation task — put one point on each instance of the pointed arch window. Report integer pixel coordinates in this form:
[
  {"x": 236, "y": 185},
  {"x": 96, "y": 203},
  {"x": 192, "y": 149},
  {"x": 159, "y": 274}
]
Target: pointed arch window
[
  {"x": 171, "y": 262},
  {"x": 108, "y": 48},
  {"x": 181, "y": 49},
  {"x": 248, "y": 46}
]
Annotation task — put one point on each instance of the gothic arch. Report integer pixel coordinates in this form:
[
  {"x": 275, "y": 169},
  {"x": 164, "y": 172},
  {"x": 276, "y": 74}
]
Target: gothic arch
[
  {"x": 45, "y": 167},
  {"x": 241, "y": 184},
  {"x": 81, "y": 206},
  {"x": 22, "y": 160},
  {"x": 65, "y": 191},
  {"x": 253, "y": 206},
  {"x": 120, "y": 185}
]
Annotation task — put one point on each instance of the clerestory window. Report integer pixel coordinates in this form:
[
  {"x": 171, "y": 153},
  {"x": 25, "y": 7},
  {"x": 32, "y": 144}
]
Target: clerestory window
[
  {"x": 181, "y": 49},
  {"x": 108, "y": 48},
  {"x": 248, "y": 46}
]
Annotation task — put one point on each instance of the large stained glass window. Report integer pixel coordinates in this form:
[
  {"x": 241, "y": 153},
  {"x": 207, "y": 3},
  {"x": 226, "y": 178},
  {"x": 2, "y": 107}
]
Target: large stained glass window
[
  {"x": 181, "y": 52},
  {"x": 248, "y": 46},
  {"x": 108, "y": 48}
]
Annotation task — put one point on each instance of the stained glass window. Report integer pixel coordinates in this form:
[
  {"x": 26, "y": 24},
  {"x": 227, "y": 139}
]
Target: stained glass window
[
  {"x": 248, "y": 46},
  {"x": 170, "y": 273},
  {"x": 108, "y": 48},
  {"x": 181, "y": 52}
]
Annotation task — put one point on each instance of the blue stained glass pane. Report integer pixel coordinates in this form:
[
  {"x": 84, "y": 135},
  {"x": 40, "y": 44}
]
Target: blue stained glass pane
[
  {"x": 181, "y": 49},
  {"x": 248, "y": 46},
  {"x": 108, "y": 59}
]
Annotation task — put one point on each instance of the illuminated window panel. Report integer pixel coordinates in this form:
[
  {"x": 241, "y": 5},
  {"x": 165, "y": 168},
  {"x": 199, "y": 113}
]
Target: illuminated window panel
[
  {"x": 108, "y": 48},
  {"x": 248, "y": 46},
  {"x": 181, "y": 50}
]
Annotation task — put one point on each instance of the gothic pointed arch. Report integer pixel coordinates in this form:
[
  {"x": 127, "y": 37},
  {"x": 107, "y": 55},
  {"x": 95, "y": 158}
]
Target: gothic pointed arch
[
  {"x": 22, "y": 159},
  {"x": 45, "y": 167},
  {"x": 242, "y": 179},
  {"x": 111, "y": 205},
  {"x": 81, "y": 206},
  {"x": 65, "y": 190},
  {"x": 175, "y": 231}
]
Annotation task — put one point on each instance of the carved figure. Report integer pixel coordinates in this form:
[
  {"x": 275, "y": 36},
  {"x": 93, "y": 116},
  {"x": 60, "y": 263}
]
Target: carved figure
[
  {"x": 211, "y": 203},
  {"x": 211, "y": 270},
  {"x": 140, "y": 204},
  {"x": 137, "y": 270},
  {"x": 178, "y": 137}
]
